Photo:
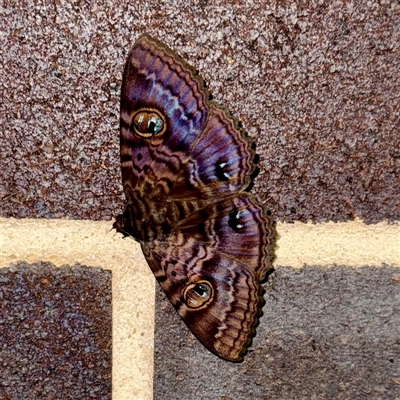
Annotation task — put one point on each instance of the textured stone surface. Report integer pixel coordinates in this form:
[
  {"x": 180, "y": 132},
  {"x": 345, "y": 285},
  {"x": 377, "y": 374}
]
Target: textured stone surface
[
  {"x": 91, "y": 243},
  {"x": 316, "y": 84},
  {"x": 55, "y": 332},
  {"x": 326, "y": 333}
]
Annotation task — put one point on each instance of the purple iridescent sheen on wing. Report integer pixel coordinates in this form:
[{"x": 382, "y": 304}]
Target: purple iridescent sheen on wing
[{"x": 185, "y": 166}]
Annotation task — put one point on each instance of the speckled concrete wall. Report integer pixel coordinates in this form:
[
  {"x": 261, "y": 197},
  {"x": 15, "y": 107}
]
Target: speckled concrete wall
[{"x": 317, "y": 85}]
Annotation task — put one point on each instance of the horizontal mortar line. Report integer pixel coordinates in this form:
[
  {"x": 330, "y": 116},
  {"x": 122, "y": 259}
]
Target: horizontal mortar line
[
  {"x": 93, "y": 243},
  {"x": 350, "y": 243}
]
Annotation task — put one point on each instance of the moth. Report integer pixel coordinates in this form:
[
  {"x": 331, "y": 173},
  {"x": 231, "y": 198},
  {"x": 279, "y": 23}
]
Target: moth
[{"x": 186, "y": 164}]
